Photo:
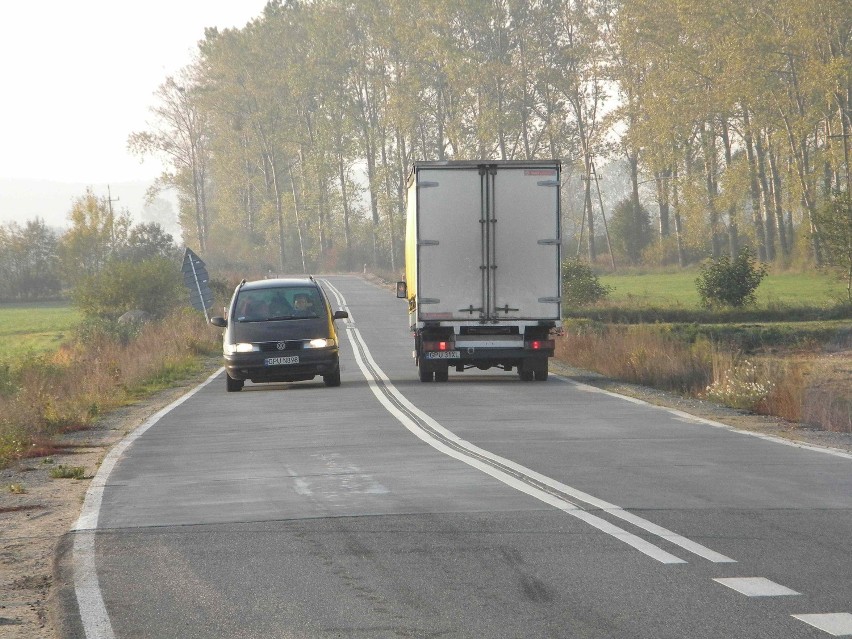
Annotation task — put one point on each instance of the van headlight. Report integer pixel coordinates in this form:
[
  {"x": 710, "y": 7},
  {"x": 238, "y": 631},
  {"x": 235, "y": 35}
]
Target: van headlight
[
  {"x": 320, "y": 342},
  {"x": 230, "y": 349}
]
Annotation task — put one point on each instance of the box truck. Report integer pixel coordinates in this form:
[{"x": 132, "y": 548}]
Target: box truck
[{"x": 482, "y": 266}]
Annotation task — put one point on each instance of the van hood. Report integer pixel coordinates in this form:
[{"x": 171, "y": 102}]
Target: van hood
[{"x": 276, "y": 331}]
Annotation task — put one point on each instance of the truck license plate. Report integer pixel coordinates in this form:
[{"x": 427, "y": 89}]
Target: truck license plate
[
  {"x": 443, "y": 355},
  {"x": 277, "y": 361}
]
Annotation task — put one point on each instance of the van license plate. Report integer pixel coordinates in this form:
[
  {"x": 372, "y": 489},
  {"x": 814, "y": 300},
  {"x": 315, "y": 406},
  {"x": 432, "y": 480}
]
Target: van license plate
[
  {"x": 443, "y": 354},
  {"x": 278, "y": 361}
]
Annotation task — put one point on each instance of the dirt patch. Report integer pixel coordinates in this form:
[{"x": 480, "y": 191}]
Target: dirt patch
[{"x": 34, "y": 521}]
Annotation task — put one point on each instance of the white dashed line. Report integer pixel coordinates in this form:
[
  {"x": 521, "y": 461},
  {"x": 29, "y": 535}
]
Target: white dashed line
[
  {"x": 837, "y": 624},
  {"x": 756, "y": 587}
]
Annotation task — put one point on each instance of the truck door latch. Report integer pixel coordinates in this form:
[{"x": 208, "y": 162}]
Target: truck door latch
[
  {"x": 470, "y": 309},
  {"x": 506, "y": 309}
]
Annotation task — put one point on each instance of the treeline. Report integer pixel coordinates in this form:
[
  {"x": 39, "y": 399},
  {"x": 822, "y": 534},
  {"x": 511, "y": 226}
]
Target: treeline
[
  {"x": 290, "y": 140},
  {"x": 41, "y": 263}
]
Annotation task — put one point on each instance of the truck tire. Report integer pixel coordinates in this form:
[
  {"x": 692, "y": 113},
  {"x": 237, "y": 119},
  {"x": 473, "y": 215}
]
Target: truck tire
[
  {"x": 541, "y": 373},
  {"x": 442, "y": 373},
  {"x": 525, "y": 371},
  {"x": 424, "y": 371}
]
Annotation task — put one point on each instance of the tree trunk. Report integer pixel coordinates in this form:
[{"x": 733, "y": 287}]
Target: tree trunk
[
  {"x": 344, "y": 193},
  {"x": 757, "y": 217},
  {"x": 708, "y": 142},
  {"x": 681, "y": 253},
  {"x": 765, "y": 196},
  {"x": 778, "y": 203},
  {"x": 733, "y": 230}
]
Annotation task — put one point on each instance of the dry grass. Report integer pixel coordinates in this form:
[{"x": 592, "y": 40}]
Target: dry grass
[
  {"x": 813, "y": 388},
  {"x": 640, "y": 355},
  {"x": 67, "y": 390}
]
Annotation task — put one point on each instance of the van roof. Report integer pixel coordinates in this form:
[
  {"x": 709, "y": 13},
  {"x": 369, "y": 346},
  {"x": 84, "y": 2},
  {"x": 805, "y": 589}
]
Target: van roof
[{"x": 279, "y": 282}]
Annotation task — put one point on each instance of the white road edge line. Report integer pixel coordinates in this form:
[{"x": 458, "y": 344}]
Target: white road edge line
[
  {"x": 93, "y": 613},
  {"x": 836, "y": 452},
  {"x": 563, "y": 504}
]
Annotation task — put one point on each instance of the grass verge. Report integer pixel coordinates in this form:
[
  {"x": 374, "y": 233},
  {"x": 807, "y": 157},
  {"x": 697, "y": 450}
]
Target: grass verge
[
  {"x": 799, "y": 376},
  {"x": 44, "y": 395}
]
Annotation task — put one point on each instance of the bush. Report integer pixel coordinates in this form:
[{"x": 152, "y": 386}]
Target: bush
[
  {"x": 726, "y": 282},
  {"x": 580, "y": 285},
  {"x": 153, "y": 285}
]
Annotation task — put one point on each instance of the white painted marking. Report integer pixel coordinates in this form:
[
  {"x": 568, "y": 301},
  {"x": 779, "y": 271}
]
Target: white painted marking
[
  {"x": 563, "y": 503},
  {"x": 709, "y": 422},
  {"x": 93, "y": 613},
  {"x": 756, "y": 587},
  {"x": 838, "y": 624}
]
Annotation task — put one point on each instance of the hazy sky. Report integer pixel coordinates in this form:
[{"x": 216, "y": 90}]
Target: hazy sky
[{"x": 78, "y": 78}]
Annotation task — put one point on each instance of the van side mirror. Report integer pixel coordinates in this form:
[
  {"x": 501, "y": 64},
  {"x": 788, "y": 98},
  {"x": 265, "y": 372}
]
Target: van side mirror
[
  {"x": 221, "y": 322},
  {"x": 401, "y": 290}
]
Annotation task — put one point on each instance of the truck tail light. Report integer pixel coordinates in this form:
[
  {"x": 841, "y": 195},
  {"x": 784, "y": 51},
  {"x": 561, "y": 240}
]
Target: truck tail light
[
  {"x": 541, "y": 344},
  {"x": 437, "y": 346}
]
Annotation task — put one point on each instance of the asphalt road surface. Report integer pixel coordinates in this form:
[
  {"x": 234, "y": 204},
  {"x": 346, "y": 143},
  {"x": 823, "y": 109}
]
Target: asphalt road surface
[{"x": 481, "y": 507}]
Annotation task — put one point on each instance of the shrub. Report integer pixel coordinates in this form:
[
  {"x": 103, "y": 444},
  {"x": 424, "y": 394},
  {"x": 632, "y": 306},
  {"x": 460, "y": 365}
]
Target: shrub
[
  {"x": 727, "y": 282},
  {"x": 153, "y": 285},
  {"x": 580, "y": 285},
  {"x": 68, "y": 472}
]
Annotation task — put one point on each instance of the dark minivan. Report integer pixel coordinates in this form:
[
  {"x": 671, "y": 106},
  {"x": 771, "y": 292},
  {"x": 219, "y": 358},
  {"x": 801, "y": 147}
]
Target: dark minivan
[{"x": 280, "y": 330}]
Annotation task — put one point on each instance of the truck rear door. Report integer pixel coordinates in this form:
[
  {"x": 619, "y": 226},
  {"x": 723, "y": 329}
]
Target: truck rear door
[
  {"x": 451, "y": 249},
  {"x": 525, "y": 243}
]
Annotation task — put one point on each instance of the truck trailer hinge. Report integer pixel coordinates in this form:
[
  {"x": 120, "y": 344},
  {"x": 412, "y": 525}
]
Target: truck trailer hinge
[
  {"x": 426, "y": 185},
  {"x": 554, "y": 242},
  {"x": 550, "y": 300},
  {"x": 548, "y": 183},
  {"x": 428, "y": 243},
  {"x": 506, "y": 309}
]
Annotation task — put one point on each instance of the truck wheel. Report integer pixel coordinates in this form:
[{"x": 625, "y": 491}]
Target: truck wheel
[
  {"x": 525, "y": 371},
  {"x": 541, "y": 374},
  {"x": 424, "y": 371},
  {"x": 442, "y": 373}
]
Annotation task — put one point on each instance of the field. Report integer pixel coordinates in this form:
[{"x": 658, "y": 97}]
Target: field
[
  {"x": 34, "y": 328},
  {"x": 788, "y": 355},
  {"x": 678, "y": 289}
]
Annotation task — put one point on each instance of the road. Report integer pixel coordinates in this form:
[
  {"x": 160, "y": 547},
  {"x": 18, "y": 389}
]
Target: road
[{"x": 480, "y": 507}]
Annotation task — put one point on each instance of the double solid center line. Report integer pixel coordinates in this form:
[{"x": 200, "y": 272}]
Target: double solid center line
[{"x": 570, "y": 500}]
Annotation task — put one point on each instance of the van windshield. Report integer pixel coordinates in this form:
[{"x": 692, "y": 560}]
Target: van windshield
[{"x": 277, "y": 304}]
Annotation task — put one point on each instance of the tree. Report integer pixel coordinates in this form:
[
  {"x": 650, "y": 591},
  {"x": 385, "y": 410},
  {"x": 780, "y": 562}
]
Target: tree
[
  {"x": 29, "y": 262},
  {"x": 180, "y": 135},
  {"x": 834, "y": 221},
  {"x": 146, "y": 241},
  {"x": 630, "y": 229},
  {"x": 97, "y": 234}
]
